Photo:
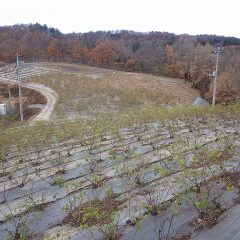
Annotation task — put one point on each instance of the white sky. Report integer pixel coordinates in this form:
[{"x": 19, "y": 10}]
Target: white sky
[{"x": 177, "y": 16}]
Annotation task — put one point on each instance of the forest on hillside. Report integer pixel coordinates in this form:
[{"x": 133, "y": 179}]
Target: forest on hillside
[{"x": 159, "y": 53}]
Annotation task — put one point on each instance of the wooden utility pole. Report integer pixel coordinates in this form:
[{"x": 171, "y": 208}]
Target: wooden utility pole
[
  {"x": 216, "y": 51},
  {"x": 20, "y": 91},
  {"x": 9, "y": 102}
]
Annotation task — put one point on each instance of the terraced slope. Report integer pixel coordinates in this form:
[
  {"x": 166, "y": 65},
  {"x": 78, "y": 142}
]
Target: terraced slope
[
  {"x": 28, "y": 70},
  {"x": 41, "y": 189}
]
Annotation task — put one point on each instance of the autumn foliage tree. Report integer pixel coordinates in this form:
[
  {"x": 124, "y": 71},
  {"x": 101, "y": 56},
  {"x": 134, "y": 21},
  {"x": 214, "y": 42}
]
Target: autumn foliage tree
[
  {"x": 226, "y": 89},
  {"x": 172, "y": 68},
  {"x": 130, "y": 64},
  {"x": 53, "y": 50},
  {"x": 104, "y": 53},
  {"x": 160, "y": 53},
  {"x": 78, "y": 53}
]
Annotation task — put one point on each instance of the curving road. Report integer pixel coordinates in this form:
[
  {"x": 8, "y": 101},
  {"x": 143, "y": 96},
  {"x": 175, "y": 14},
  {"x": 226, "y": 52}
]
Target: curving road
[{"x": 50, "y": 95}]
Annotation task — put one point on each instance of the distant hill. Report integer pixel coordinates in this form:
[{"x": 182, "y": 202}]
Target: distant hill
[{"x": 160, "y": 53}]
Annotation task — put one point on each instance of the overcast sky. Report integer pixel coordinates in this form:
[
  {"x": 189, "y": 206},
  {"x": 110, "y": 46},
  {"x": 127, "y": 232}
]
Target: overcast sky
[{"x": 177, "y": 16}]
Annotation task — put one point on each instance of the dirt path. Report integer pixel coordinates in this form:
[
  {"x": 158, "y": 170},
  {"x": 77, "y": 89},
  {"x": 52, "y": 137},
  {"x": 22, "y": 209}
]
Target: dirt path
[{"x": 50, "y": 95}]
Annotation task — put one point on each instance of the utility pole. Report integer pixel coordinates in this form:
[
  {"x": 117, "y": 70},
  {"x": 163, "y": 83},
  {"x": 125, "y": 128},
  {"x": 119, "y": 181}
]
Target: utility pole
[
  {"x": 20, "y": 91},
  {"x": 216, "y": 51},
  {"x": 9, "y": 102}
]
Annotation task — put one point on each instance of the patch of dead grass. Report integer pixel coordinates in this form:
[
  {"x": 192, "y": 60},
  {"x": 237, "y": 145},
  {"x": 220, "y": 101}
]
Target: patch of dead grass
[
  {"x": 90, "y": 91},
  {"x": 94, "y": 212}
]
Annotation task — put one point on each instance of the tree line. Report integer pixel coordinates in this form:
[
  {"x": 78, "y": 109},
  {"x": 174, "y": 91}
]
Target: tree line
[{"x": 159, "y": 53}]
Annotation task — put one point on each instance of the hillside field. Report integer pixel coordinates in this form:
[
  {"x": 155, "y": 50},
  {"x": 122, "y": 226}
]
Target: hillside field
[
  {"x": 124, "y": 156},
  {"x": 87, "y": 91}
]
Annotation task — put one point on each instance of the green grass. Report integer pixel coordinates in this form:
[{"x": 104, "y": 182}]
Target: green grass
[{"x": 42, "y": 134}]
